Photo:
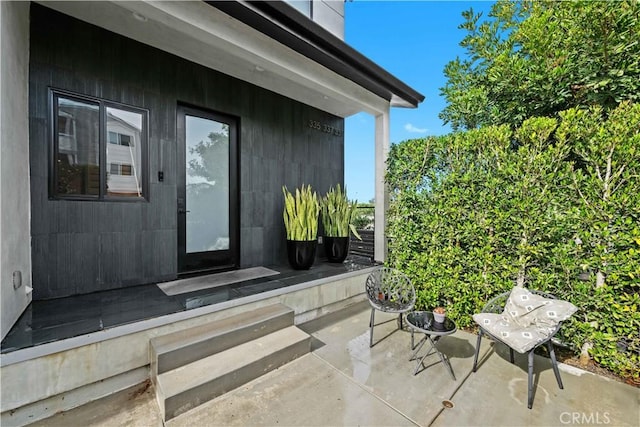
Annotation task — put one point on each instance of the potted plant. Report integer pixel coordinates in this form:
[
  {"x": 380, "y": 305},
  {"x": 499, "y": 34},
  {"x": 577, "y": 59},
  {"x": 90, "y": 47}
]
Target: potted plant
[
  {"x": 301, "y": 224},
  {"x": 337, "y": 216},
  {"x": 439, "y": 313}
]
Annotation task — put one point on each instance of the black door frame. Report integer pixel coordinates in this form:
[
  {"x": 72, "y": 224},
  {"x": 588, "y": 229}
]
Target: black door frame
[{"x": 202, "y": 262}]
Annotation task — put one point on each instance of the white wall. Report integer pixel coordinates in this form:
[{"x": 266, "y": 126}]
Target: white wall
[
  {"x": 15, "y": 231},
  {"x": 330, "y": 14}
]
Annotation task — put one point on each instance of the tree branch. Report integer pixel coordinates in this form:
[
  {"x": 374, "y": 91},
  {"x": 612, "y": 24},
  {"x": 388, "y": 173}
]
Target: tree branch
[
  {"x": 575, "y": 182},
  {"x": 607, "y": 177}
]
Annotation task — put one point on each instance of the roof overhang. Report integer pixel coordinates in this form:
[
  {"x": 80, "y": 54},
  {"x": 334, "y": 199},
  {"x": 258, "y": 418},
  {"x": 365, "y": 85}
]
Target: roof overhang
[
  {"x": 263, "y": 43},
  {"x": 282, "y": 23}
]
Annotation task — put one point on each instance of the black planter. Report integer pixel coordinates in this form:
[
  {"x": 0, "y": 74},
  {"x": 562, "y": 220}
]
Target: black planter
[
  {"x": 336, "y": 248},
  {"x": 301, "y": 253}
]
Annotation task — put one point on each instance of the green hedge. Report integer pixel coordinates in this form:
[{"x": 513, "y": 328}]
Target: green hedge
[{"x": 553, "y": 205}]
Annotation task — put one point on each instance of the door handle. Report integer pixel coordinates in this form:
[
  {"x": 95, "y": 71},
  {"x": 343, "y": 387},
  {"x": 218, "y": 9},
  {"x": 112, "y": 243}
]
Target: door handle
[{"x": 183, "y": 211}]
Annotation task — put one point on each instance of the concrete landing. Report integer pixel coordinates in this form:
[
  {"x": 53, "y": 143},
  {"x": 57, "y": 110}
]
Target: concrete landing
[{"x": 344, "y": 382}]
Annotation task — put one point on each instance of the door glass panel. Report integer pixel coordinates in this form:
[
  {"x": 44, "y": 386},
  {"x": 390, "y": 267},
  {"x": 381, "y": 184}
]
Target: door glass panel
[
  {"x": 124, "y": 153},
  {"x": 207, "y": 185}
]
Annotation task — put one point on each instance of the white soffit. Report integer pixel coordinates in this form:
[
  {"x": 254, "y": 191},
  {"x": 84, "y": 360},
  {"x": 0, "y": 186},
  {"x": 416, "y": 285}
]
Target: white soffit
[{"x": 203, "y": 34}]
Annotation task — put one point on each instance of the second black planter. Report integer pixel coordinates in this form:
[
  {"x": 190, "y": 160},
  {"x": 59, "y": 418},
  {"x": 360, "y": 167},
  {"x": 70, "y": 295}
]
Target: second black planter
[
  {"x": 336, "y": 248},
  {"x": 301, "y": 253}
]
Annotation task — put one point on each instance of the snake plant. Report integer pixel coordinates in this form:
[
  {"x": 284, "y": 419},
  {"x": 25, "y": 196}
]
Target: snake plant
[
  {"x": 337, "y": 213},
  {"x": 301, "y": 213}
]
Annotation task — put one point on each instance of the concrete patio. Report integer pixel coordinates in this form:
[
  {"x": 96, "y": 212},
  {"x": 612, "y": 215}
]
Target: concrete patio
[{"x": 344, "y": 382}]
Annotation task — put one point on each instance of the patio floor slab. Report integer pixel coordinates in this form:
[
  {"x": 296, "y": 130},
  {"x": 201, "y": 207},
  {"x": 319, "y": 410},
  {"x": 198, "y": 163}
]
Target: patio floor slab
[{"x": 344, "y": 382}]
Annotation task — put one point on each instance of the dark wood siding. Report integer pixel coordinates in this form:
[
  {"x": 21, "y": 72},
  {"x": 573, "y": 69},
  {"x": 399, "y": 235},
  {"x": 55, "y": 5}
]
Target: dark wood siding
[{"x": 84, "y": 246}]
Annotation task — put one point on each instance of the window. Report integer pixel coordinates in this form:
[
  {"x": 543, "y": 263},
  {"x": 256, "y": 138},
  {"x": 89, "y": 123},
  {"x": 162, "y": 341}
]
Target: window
[
  {"x": 116, "y": 169},
  {"x": 98, "y": 148},
  {"x": 124, "y": 129},
  {"x": 76, "y": 159},
  {"x": 119, "y": 139}
]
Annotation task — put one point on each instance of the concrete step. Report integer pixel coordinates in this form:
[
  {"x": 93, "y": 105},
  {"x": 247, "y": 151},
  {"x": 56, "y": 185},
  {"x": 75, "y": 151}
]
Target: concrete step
[
  {"x": 188, "y": 386},
  {"x": 183, "y": 347}
]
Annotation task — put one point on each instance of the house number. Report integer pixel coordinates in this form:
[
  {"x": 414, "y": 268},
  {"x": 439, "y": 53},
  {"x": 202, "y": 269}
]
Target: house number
[{"x": 322, "y": 127}]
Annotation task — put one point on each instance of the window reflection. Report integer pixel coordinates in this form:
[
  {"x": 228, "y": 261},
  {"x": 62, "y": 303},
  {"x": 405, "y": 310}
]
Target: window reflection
[
  {"x": 207, "y": 184},
  {"x": 124, "y": 152},
  {"x": 78, "y": 147},
  {"x": 98, "y": 148}
]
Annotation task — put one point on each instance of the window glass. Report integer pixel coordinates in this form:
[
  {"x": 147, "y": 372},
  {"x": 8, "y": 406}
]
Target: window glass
[
  {"x": 77, "y": 169},
  {"x": 124, "y": 149},
  {"x": 207, "y": 184},
  {"x": 91, "y": 134}
]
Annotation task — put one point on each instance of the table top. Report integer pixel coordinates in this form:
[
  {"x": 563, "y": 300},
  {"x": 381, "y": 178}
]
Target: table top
[{"x": 423, "y": 321}]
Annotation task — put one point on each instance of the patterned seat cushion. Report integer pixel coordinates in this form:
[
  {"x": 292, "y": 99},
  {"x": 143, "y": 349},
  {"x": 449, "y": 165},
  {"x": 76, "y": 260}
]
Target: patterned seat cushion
[
  {"x": 528, "y": 319},
  {"x": 515, "y": 336}
]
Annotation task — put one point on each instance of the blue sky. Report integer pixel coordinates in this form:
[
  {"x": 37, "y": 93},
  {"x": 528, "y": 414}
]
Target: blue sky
[{"x": 413, "y": 40}]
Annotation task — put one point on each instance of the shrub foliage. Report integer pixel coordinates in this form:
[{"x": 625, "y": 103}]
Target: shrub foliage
[
  {"x": 553, "y": 205},
  {"x": 536, "y": 58}
]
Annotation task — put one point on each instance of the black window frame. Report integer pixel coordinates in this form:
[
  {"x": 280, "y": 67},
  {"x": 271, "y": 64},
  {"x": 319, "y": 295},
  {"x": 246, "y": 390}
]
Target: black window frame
[{"x": 103, "y": 142}]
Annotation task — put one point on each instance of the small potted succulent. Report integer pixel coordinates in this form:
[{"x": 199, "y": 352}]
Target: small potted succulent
[{"x": 439, "y": 313}]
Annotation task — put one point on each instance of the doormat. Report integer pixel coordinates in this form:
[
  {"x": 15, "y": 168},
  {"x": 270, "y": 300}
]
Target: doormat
[{"x": 191, "y": 284}]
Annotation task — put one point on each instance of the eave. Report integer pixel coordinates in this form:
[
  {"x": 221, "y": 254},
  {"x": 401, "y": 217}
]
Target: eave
[{"x": 264, "y": 43}]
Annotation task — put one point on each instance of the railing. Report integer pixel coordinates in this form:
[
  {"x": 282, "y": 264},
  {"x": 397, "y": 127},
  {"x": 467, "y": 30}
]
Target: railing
[
  {"x": 364, "y": 247},
  {"x": 364, "y": 224}
]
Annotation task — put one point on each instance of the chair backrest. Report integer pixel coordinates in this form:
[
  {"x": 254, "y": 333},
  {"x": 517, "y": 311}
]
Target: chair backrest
[
  {"x": 393, "y": 284},
  {"x": 497, "y": 303}
]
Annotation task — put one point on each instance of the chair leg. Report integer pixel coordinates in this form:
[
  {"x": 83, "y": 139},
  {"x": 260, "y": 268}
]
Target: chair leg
[
  {"x": 371, "y": 320},
  {"x": 554, "y": 363},
  {"x": 475, "y": 358},
  {"x": 412, "y": 341},
  {"x": 530, "y": 383},
  {"x": 511, "y": 355}
]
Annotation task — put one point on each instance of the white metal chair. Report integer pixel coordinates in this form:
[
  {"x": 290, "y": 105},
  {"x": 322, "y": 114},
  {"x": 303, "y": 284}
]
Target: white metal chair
[
  {"x": 523, "y": 320},
  {"x": 390, "y": 291}
]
